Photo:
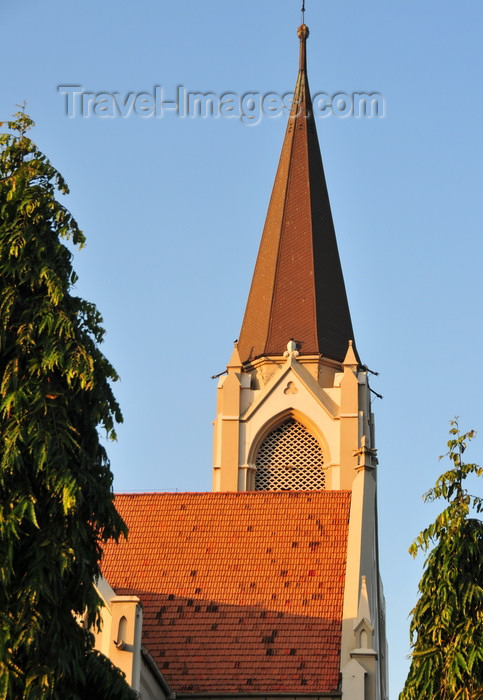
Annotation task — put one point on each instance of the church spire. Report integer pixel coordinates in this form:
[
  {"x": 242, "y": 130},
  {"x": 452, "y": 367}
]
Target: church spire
[{"x": 297, "y": 288}]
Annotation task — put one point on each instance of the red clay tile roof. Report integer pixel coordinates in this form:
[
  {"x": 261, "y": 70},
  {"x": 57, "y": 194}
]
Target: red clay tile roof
[
  {"x": 242, "y": 592},
  {"x": 298, "y": 289}
]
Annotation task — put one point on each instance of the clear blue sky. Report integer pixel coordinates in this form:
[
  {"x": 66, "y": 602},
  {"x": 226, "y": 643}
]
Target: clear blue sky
[{"x": 173, "y": 210}]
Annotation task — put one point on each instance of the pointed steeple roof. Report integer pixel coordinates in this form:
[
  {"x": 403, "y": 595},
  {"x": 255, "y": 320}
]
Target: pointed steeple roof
[{"x": 298, "y": 289}]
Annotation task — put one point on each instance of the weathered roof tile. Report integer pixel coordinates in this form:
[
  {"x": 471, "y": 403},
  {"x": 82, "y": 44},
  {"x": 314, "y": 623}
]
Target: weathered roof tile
[{"x": 237, "y": 604}]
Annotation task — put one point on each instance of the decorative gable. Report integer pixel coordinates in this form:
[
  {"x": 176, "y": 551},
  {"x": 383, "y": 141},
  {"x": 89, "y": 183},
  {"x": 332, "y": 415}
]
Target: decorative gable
[{"x": 329, "y": 401}]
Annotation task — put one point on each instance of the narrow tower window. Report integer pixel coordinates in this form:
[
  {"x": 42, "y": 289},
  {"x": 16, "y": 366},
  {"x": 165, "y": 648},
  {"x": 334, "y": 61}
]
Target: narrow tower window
[
  {"x": 121, "y": 633},
  {"x": 290, "y": 459}
]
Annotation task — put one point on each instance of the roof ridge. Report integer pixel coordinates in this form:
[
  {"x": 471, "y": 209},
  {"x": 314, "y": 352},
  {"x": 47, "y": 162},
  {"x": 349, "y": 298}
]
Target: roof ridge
[{"x": 235, "y": 494}]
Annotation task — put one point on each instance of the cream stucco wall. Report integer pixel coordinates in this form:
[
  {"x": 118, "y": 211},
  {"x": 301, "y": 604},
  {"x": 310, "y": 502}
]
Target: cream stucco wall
[{"x": 120, "y": 640}]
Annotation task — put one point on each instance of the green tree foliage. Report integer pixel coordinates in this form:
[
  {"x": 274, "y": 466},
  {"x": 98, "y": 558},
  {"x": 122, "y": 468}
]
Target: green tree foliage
[
  {"x": 56, "y": 501},
  {"x": 447, "y": 622}
]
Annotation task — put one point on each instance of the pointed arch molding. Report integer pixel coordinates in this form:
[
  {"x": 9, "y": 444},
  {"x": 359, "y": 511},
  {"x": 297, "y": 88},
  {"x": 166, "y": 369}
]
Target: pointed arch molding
[
  {"x": 279, "y": 420},
  {"x": 291, "y": 392},
  {"x": 289, "y": 454}
]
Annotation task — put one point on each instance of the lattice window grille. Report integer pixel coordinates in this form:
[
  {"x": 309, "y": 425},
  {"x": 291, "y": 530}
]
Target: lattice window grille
[{"x": 290, "y": 458}]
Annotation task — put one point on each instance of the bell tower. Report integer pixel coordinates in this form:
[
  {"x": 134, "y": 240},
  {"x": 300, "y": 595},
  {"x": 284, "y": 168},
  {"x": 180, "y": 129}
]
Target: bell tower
[
  {"x": 293, "y": 410},
  {"x": 269, "y": 586}
]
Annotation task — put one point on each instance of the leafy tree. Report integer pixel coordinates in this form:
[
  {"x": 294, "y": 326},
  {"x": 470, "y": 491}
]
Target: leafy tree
[
  {"x": 447, "y": 622},
  {"x": 56, "y": 501}
]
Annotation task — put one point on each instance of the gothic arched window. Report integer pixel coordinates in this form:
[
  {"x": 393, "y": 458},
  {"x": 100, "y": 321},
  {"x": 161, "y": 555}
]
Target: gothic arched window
[{"x": 290, "y": 459}]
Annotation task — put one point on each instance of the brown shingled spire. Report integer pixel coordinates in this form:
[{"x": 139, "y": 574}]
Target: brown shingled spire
[{"x": 298, "y": 289}]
